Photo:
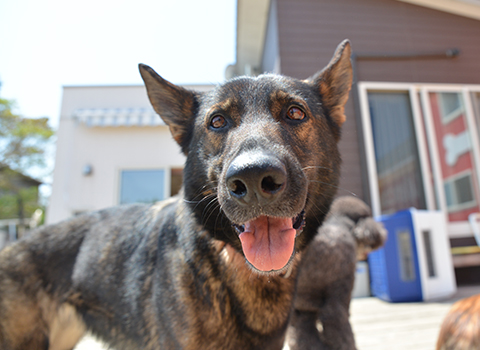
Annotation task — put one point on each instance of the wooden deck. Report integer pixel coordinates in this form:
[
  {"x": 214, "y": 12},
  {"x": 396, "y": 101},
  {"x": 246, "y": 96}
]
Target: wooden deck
[
  {"x": 413, "y": 326},
  {"x": 379, "y": 325}
]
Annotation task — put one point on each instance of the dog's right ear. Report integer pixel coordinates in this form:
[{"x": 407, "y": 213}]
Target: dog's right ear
[
  {"x": 175, "y": 105},
  {"x": 334, "y": 82}
]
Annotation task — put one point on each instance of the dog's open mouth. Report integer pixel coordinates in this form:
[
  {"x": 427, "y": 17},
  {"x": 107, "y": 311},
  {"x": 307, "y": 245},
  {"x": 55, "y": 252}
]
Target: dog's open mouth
[{"x": 269, "y": 242}]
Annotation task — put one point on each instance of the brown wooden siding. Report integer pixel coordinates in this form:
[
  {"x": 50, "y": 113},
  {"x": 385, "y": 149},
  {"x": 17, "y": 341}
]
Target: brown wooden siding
[{"x": 309, "y": 31}]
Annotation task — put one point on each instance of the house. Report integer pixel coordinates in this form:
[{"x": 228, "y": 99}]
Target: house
[
  {"x": 19, "y": 203},
  {"x": 411, "y": 138},
  {"x": 413, "y": 118},
  {"x": 112, "y": 148}
]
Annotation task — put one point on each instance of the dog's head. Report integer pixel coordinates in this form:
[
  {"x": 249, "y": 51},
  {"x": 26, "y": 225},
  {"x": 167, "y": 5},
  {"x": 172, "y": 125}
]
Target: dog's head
[{"x": 262, "y": 157}]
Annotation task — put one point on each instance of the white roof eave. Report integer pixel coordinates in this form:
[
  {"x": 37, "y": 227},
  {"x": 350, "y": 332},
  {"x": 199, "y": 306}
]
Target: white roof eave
[
  {"x": 108, "y": 117},
  {"x": 466, "y": 8},
  {"x": 252, "y": 21}
]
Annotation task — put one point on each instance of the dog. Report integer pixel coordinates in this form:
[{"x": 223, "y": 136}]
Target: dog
[
  {"x": 460, "y": 329},
  {"x": 321, "y": 309},
  {"x": 212, "y": 268}
]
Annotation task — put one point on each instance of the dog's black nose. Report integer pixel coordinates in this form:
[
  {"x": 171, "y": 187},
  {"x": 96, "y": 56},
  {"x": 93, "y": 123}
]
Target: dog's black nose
[{"x": 256, "y": 178}]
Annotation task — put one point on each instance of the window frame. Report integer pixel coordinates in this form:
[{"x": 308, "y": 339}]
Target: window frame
[
  {"x": 167, "y": 181},
  {"x": 450, "y": 116},
  {"x": 451, "y": 181},
  {"x": 429, "y": 161}
]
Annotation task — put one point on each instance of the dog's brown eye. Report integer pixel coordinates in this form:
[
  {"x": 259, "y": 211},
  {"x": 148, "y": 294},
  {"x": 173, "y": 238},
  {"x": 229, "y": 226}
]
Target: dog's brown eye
[
  {"x": 218, "y": 122},
  {"x": 295, "y": 113}
]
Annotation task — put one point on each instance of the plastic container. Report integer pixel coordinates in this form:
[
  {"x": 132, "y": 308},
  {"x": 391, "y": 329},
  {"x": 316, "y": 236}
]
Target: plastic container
[{"x": 415, "y": 264}]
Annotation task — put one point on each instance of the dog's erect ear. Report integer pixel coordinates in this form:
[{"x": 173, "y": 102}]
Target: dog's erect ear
[
  {"x": 334, "y": 82},
  {"x": 175, "y": 105}
]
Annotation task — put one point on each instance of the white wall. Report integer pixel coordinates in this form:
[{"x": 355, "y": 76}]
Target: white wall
[{"x": 107, "y": 149}]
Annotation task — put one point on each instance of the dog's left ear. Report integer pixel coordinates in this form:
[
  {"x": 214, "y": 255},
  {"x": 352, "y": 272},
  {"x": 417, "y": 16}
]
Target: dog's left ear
[
  {"x": 175, "y": 105},
  {"x": 334, "y": 82}
]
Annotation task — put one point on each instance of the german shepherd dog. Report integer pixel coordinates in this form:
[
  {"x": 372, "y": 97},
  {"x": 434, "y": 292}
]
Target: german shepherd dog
[{"x": 213, "y": 268}]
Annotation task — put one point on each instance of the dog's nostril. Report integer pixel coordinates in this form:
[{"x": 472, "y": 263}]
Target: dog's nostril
[
  {"x": 238, "y": 188},
  {"x": 269, "y": 185}
]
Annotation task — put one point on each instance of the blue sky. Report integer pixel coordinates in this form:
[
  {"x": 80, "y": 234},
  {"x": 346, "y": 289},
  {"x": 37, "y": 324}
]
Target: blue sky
[{"x": 46, "y": 44}]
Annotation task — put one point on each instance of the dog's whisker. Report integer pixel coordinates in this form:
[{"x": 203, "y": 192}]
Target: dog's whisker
[
  {"x": 335, "y": 186},
  {"x": 209, "y": 206},
  {"x": 316, "y": 167},
  {"x": 210, "y": 209},
  {"x": 223, "y": 223},
  {"x": 201, "y": 192},
  {"x": 320, "y": 209},
  {"x": 203, "y": 199}
]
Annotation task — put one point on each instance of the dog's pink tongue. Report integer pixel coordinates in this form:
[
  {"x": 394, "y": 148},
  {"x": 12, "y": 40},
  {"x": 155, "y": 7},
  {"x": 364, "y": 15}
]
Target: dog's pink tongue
[{"x": 268, "y": 242}]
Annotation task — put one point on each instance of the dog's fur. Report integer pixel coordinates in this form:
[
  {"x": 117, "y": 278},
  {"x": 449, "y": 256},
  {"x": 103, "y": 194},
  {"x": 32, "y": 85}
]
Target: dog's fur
[
  {"x": 321, "y": 317},
  {"x": 214, "y": 268},
  {"x": 460, "y": 329}
]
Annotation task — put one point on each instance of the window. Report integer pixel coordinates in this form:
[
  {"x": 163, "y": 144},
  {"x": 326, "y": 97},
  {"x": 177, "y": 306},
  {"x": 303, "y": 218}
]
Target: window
[
  {"x": 144, "y": 186},
  {"x": 422, "y": 148},
  {"x": 454, "y": 131},
  {"x": 405, "y": 253},
  {"x": 451, "y": 106},
  {"x": 427, "y": 244},
  {"x": 396, "y": 155},
  {"x": 459, "y": 192}
]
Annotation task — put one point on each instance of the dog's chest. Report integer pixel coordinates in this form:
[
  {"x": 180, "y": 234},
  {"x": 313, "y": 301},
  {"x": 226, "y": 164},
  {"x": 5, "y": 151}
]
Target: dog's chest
[{"x": 235, "y": 308}]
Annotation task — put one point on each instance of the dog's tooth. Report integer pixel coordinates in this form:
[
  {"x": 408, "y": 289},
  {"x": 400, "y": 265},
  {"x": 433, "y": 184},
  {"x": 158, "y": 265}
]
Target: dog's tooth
[
  {"x": 299, "y": 221},
  {"x": 288, "y": 272}
]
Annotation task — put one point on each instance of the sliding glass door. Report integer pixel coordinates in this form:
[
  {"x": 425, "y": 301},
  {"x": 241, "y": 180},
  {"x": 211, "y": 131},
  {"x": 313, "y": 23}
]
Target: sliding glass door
[
  {"x": 422, "y": 145},
  {"x": 396, "y": 152}
]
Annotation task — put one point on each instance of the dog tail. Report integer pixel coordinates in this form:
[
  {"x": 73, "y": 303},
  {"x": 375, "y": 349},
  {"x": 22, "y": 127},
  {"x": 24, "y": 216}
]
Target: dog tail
[{"x": 369, "y": 234}]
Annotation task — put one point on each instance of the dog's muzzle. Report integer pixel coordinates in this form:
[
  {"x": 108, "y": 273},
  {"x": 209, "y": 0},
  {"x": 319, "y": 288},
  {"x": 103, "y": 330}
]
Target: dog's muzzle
[
  {"x": 260, "y": 196},
  {"x": 256, "y": 179}
]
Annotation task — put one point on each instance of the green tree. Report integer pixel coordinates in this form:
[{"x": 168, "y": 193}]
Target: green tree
[{"x": 23, "y": 142}]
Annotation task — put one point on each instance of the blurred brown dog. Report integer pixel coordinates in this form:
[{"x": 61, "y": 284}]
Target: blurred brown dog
[
  {"x": 321, "y": 316},
  {"x": 461, "y": 327}
]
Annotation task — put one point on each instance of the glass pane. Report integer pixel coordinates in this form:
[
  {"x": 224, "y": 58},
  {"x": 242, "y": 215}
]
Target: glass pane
[
  {"x": 455, "y": 153},
  {"x": 427, "y": 244},
  {"x": 448, "y": 194},
  {"x": 451, "y": 106},
  {"x": 143, "y": 186},
  {"x": 405, "y": 252},
  {"x": 398, "y": 168},
  {"x": 464, "y": 189}
]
